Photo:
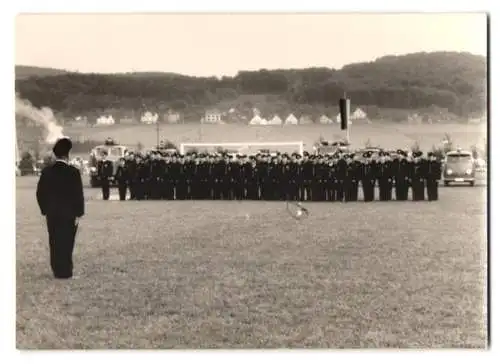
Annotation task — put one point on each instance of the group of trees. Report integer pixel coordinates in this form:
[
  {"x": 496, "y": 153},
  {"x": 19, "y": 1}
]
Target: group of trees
[{"x": 455, "y": 81}]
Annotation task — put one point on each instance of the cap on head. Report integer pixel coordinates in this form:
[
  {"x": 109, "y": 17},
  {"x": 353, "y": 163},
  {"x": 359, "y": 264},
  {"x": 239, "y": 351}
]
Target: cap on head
[{"x": 62, "y": 147}]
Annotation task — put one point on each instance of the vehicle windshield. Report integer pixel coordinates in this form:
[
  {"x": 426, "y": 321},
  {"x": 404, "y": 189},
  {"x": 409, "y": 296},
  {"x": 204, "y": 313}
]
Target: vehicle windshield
[
  {"x": 99, "y": 150},
  {"x": 458, "y": 158},
  {"x": 115, "y": 152}
]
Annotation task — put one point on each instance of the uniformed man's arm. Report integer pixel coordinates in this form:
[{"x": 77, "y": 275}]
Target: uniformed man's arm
[
  {"x": 42, "y": 192},
  {"x": 79, "y": 200}
]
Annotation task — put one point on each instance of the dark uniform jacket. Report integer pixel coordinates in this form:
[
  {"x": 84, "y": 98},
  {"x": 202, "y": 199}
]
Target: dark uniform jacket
[{"x": 60, "y": 191}]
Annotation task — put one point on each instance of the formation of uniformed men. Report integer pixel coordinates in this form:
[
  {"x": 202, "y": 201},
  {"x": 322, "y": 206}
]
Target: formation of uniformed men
[{"x": 198, "y": 176}]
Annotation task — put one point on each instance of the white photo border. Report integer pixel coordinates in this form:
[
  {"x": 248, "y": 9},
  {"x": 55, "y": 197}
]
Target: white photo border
[{"x": 8, "y": 254}]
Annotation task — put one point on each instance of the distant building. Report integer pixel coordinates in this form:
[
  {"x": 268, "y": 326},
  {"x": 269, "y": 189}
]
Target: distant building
[
  {"x": 358, "y": 114},
  {"x": 213, "y": 116},
  {"x": 149, "y": 118},
  {"x": 415, "y": 118},
  {"x": 127, "y": 120},
  {"x": 477, "y": 119},
  {"x": 337, "y": 119},
  {"x": 105, "y": 120},
  {"x": 305, "y": 120},
  {"x": 291, "y": 120},
  {"x": 172, "y": 117},
  {"x": 256, "y": 120},
  {"x": 276, "y": 120},
  {"x": 323, "y": 119}
]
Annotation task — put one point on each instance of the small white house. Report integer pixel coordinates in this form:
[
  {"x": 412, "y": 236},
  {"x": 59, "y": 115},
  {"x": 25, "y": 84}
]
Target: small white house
[
  {"x": 149, "y": 118},
  {"x": 256, "y": 120},
  {"x": 323, "y": 119},
  {"x": 338, "y": 119},
  {"x": 212, "y": 116},
  {"x": 358, "y": 114},
  {"x": 291, "y": 120},
  {"x": 305, "y": 120},
  {"x": 105, "y": 120},
  {"x": 172, "y": 117},
  {"x": 276, "y": 120}
]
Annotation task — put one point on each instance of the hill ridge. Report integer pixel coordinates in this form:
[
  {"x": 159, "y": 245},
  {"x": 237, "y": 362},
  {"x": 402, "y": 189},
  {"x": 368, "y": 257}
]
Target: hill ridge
[{"x": 455, "y": 81}]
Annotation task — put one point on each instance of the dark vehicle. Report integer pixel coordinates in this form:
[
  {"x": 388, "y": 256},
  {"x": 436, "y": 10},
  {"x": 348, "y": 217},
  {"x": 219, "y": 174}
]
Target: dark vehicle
[
  {"x": 459, "y": 167},
  {"x": 115, "y": 152}
]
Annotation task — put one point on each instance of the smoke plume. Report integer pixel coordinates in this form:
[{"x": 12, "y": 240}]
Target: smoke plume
[{"x": 43, "y": 117}]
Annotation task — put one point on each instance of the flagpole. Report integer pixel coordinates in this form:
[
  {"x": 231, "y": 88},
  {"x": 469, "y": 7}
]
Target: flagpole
[{"x": 347, "y": 131}]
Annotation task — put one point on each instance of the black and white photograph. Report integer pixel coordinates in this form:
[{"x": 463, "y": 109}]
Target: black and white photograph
[{"x": 251, "y": 181}]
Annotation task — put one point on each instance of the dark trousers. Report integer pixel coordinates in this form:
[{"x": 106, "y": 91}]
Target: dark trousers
[
  {"x": 432, "y": 190},
  {"x": 339, "y": 190},
  {"x": 122, "y": 190},
  {"x": 167, "y": 192},
  {"x": 268, "y": 190},
  {"x": 368, "y": 190},
  {"x": 307, "y": 191},
  {"x": 385, "y": 189},
  {"x": 181, "y": 189},
  {"x": 293, "y": 191},
  {"x": 62, "y": 232},
  {"x": 132, "y": 186},
  {"x": 155, "y": 188},
  {"x": 418, "y": 189},
  {"x": 261, "y": 188},
  {"x": 218, "y": 190},
  {"x": 238, "y": 190},
  {"x": 226, "y": 189},
  {"x": 105, "y": 189},
  {"x": 351, "y": 190},
  {"x": 330, "y": 191},
  {"x": 140, "y": 190},
  {"x": 402, "y": 190},
  {"x": 252, "y": 190}
]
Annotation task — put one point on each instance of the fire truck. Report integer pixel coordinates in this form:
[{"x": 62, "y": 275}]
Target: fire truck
[
  {"x": 327, "y": 147},
  {"x": 115, "y": 152}
]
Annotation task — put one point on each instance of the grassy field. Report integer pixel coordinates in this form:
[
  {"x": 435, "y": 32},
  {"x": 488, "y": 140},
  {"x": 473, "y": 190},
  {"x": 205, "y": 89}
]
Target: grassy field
[
  {"x": 385, "y": 135},
  {"x": 200, "y": 274}
]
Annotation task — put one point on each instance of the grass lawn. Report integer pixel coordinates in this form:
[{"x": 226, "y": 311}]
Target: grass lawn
[{"x": 245, "y": 275}]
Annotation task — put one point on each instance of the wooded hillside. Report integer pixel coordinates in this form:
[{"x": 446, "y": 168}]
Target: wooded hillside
[{"x": 456, "y": 81}]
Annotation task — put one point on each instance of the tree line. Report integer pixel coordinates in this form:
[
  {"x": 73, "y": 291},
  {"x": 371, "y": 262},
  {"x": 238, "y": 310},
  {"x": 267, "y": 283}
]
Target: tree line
[{"x": 451, "y": 80}]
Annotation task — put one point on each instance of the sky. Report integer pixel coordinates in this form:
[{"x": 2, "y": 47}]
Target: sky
[{"x": 223, "y": 44}]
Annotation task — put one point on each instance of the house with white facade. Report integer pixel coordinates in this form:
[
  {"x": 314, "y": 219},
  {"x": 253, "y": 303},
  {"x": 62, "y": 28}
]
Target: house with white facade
[
  {"x": 323, "y": 119},
  {"x": 212, "y": 116},
  {"x": 105, "y": 120},
  {"x": 149, "y": 118},
  {"x": 291, "y": 120},
  {"x": 275, "y": 120}
]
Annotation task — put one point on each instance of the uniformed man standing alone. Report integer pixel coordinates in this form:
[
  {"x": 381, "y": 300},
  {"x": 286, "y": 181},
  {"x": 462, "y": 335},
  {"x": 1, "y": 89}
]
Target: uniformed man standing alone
[
  {"x": 105, "y": 172},
  {"x": 60, "y": 197}
]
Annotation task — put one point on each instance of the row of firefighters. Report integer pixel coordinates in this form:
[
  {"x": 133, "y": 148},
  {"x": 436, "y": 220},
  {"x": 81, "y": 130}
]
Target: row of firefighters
[{"x": 265, "y": 177}]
